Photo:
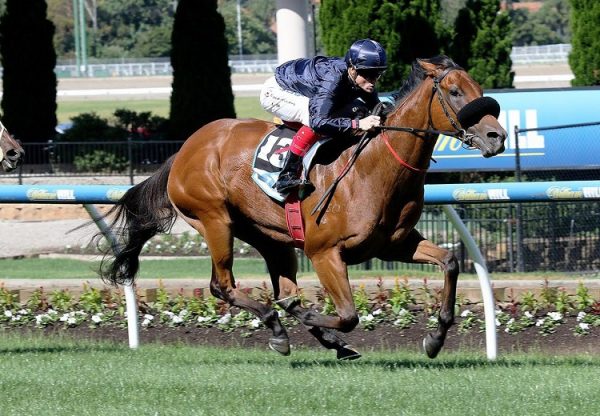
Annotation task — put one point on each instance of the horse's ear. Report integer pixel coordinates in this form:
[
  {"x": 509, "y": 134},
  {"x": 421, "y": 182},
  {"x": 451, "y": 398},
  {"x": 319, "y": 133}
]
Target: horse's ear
[{"x": 430, "y": 69}]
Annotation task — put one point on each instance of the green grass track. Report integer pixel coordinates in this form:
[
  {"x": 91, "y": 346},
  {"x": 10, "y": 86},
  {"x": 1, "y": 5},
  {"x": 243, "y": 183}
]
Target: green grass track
[{"x": 51, "y": 376}]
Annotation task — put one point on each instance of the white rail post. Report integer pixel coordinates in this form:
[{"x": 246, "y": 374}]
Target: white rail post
[
  {"x": 130, "y": 301},
  {"x": 489, "y": 306}
]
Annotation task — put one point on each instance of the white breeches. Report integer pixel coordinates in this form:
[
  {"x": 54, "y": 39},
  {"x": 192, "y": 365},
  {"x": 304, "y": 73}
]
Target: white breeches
[{"x": 287, "y": 105}]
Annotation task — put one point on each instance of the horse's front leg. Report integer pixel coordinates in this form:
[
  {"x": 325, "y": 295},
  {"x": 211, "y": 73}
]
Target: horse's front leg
[{"x": 416, "y": 249}]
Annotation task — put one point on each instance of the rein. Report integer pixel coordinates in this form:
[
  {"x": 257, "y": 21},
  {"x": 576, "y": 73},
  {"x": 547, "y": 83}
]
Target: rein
[{"x": 461, "y": 134}]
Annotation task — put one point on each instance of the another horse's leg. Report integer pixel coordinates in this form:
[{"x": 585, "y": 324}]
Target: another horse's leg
[
  {"x": 416, "y": 249},
  {"x": 219, "y": 238},
  {"x": 283, "y": 267}
]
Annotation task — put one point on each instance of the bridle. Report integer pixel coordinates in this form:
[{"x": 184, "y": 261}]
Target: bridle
[
  {"x": 459, "y": 133},
  {"x": 431, "y": 131}
]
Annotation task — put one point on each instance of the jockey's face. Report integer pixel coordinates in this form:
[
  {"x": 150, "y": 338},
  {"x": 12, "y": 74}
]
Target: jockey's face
[{"x": 365, "y": 79}]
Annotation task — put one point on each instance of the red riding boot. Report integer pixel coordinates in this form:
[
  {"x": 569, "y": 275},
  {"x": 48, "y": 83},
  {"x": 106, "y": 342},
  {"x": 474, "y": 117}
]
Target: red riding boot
[{"x": 289, "y": 177}]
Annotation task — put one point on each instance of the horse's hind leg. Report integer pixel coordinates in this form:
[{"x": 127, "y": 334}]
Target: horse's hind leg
[
  {"x": 283, "y": 266},
  {"x": 219, "y": 238},
  {"x": 416, "y": 249}
]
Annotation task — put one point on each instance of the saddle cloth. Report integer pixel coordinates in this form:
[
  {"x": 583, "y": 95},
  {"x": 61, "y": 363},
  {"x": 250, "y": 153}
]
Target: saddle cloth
[{"x": 270, "y": 156}]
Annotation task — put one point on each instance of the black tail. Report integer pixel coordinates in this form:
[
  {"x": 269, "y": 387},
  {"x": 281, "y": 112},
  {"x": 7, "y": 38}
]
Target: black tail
[{"x": 140, "y": 214}]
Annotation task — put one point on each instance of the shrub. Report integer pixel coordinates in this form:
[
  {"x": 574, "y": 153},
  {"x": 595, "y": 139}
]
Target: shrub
[{"x": 100, "y": 161}]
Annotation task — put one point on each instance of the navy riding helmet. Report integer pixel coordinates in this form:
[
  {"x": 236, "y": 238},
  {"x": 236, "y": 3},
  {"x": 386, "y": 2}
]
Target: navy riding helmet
[{"x": 366, "y": 54}]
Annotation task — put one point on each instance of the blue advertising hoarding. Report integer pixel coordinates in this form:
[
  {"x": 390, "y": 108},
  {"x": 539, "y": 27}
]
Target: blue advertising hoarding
[{"x": 573, "y": 148}]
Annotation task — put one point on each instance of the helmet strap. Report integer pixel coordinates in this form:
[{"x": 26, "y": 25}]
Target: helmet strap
[{"x": 353, "y": 78}]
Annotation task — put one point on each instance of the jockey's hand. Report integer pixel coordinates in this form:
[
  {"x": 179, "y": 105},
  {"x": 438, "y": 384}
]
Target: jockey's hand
[{"x": 369, "y": 122}]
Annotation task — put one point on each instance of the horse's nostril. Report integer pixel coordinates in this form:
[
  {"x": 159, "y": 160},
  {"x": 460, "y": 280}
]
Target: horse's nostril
[{"x": 14, "y": 155}]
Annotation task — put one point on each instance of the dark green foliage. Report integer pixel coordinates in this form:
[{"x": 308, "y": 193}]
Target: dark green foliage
[
  {"x": 131, "y": 28},
  {"x": 201, "y": 75},
  {"x": 549, "y": 25},
  {"x": 91, "y": 127},
  {"x": 407, "y": 29},
  {"x": 482, "y": 43},
  {"x": 28, "y": 61},
  {"x": 257, "y": 17},
  {"x": 585, "y": 55}
]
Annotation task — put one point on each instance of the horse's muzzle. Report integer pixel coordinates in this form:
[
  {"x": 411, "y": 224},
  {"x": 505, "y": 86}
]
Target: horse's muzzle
[
  {"x": 490, "y": 136},
  {"x": 12, "y": 159}
]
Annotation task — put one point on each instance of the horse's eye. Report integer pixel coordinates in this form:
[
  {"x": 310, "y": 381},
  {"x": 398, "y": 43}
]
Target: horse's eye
[{"x": 454, "y": 91}]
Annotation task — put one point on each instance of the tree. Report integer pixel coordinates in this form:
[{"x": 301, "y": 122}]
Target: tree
[
  {"x": 407, "y": 29},
  {"x": 201, "y": 75},
  {"x": 547, "y": 26},
  {"x": 257, "y": 18},
  {"x": 482, "y": 43},
  {"x": 28, "y": 61},
  {"x": 585, "y": 54}
]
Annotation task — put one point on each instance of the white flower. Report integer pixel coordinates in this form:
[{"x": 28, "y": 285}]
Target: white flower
[
  {"x": 255, "y": 323},
  {"x": 168, "y": 313},
  {"x": 71, "y": 321},
  {"x": 377, "y": 312},
  {"x": 23, "y": 312},
  {"x": 225, "y": 319},
  {"x": 402, "y": 312},
  {"x": 16, "y": 318},
  {"x": 498, "y": 323},
  {"x": 555, "y": 316},
  {"x": 8, "y": 314},
  {"x": 584, "y": 326},
  {"x": 581, "y": 315},
  {"x": 177, "y": 319},
  {"x": 510, "y": 321},
  {"x": 148, "y": 317},
  {"x": 539, "y": 322},
  {"x": 528, "y": 314},
  {"x": 146, "y": 322},
  {"x": 466, "y": 313},
  {"x": 97, "y": 318},
  {"x": 203, "y": 245},
  {"x": 65, "y": 317},
  {"x": 367, "y": 318},
  {"x": 202, "y": 319}
]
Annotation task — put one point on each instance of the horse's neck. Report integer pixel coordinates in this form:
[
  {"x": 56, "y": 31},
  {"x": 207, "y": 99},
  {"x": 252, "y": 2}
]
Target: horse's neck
[{"x": 379, "y": 161}]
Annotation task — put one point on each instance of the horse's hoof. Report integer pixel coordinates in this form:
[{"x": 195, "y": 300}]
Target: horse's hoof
[
  {"x": 347, "y": 353},
  {"x": 432, "y": 346},
  {"x": 282, "y": 346}
]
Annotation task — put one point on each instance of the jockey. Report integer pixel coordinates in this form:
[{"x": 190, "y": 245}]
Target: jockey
[{"x": 311, "y": 91}]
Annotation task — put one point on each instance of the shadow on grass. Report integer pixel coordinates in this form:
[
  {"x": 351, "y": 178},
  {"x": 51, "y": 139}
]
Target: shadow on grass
[{"x": 449, "y": 363}]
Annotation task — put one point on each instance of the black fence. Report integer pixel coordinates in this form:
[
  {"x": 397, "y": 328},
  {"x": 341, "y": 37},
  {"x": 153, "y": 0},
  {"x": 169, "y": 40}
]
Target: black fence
[
  {"x": 130, "y": 157},
  {"x": 555, "y": 237}
]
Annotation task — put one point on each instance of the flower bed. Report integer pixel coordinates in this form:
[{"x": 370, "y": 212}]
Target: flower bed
[{"x": 401, "y": 308}]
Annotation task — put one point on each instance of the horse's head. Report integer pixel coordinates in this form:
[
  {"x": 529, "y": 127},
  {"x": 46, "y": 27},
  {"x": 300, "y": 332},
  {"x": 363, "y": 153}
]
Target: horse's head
[
  {"x": 11, "y": 152},
  {"x": 457, "y": 104}
]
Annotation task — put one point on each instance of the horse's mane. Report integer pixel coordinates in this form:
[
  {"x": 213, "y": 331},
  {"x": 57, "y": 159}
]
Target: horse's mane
[{"x": 418, "y": 74}]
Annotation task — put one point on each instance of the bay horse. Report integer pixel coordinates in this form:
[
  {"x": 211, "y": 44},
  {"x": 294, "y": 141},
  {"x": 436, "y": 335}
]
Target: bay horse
[
  {"x": 372, "y": 212},
  {"x": 11, "y": 152}
]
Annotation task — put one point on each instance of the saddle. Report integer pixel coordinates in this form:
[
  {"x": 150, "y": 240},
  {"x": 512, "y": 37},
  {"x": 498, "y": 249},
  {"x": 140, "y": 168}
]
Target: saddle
[{"x": 270, "y": 155}]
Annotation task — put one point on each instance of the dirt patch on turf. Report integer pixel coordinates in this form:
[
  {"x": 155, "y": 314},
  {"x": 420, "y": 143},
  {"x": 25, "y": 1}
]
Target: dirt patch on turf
[{"x": 382, "y": 337}]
